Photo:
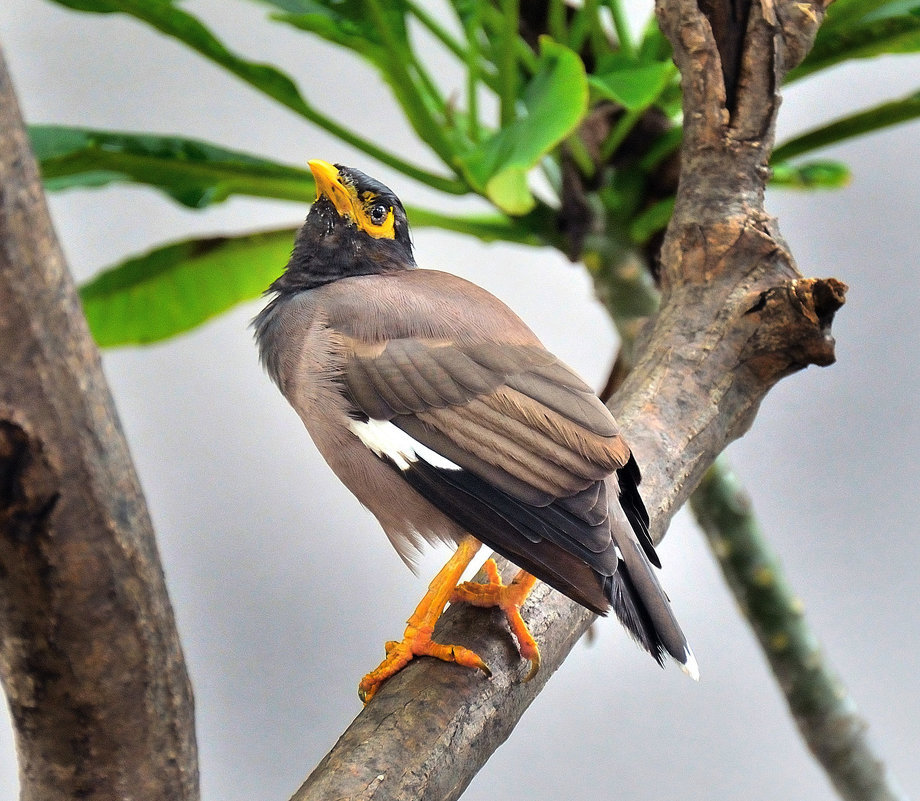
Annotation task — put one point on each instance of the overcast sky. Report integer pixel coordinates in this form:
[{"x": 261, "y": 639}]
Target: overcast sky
[{"x": 285, "y": 590}]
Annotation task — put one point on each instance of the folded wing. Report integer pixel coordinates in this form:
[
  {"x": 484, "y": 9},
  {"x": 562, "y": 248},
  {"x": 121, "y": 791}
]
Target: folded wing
[{"x": 530, "y": 449}]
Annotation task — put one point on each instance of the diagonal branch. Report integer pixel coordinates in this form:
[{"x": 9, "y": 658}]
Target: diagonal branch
[
  {"x": 89, "y": 656},
  {"x": 736, "y": 316},
  {"x": 824, "y": 711}
]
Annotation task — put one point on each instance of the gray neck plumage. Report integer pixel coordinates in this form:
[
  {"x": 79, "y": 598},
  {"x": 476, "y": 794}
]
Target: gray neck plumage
[{"x": 269, "y": 336}]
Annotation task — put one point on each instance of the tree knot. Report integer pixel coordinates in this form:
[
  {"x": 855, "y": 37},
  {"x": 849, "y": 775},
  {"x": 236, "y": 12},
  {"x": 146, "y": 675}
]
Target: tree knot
[
  {"x": 818, "y": 298},
  {"x": 793, "y": 326}
]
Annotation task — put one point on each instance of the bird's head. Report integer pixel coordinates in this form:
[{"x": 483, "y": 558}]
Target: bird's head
[{"x": 356, "y": 226}]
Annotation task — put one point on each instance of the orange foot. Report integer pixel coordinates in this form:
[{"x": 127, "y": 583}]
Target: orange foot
[
  {"x": 416, "y": 640},
  {"x": 509, "y": 598}
]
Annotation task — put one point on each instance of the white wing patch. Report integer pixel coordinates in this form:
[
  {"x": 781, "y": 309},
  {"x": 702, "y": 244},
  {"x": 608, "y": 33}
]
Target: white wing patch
[{"x": 388, "y": 441}]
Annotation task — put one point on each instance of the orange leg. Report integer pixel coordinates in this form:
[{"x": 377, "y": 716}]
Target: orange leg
[
  {"x": 509, "y": 598},
  {"x": 416, "y": 640}
]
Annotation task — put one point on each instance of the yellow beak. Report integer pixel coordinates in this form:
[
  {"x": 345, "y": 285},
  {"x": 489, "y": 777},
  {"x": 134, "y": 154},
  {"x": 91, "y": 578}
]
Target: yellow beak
[{"x": 329, "y": 184}]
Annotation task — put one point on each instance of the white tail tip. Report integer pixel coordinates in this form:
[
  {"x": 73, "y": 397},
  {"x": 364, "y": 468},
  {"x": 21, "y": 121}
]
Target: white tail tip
[{"x": 689, "y": 665}]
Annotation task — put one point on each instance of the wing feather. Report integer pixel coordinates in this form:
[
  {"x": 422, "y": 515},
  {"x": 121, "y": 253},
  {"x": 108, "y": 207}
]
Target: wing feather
[
  {"x": 422, "y": 381},
  {"x": 462, "y": 426},
  {"x": 533, "y": 444},
  {"x": 474, "y": 377}
]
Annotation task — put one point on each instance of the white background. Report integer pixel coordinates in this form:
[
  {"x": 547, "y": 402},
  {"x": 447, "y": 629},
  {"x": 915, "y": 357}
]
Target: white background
[{"x": 285, "y": 590}]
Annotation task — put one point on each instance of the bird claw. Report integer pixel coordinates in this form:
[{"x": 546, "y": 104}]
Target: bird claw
[
  {"x": 509, "y": 598},
  {"x": 416, "y": 642}
]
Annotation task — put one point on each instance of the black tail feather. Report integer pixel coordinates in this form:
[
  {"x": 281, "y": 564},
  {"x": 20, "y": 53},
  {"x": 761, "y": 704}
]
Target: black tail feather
[
  {"x": 628, "y": 478},
  {"x": 629, "y": 608}
]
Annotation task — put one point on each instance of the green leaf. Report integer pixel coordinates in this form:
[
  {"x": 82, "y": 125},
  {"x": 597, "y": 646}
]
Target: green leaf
[
  {"x": 873, "y": 119},
  {"x": 179, "y": 286},
  {"x": 194, "y": 173},
  {"x": 291, "y": 6},
  {"x": 654, "y": 219},
  {"x": 167, "y": 18},
  {"x": 554, "y": 102},
  {"x": 347, "y": 23},
  {"x": 198, "y": 173},
  {"x": 875, "y": 37},
  {"x": 811, "y": 175},
  {"x": 634, "y": 86},
  {"x": 846, "y": 13}
]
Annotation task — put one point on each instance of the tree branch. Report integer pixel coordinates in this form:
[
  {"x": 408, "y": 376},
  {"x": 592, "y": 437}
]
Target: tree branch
[
  {"x": 89, "y": 656},
  {"x": 824, "y": 711},
  {"x": 736, "y": 316}
]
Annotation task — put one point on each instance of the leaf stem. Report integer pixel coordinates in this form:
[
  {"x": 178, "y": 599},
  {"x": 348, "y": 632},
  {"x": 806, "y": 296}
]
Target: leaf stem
[
  {"x": 621, "y": 25},
  {"x": 580, "y": 155},
  {"x": 488, "y": 228},
  {"x": 557, "y": 22},
  {"x": 507, "y": 62},
  {"x": 585, "y": 26},
  {"x": 453, "y": 186},
  {"x": 471, "y": 56},
  {"x": 620, "y": 131},
  {"x": 436, "y": 29},
  {"x": 414, "y": 103}
]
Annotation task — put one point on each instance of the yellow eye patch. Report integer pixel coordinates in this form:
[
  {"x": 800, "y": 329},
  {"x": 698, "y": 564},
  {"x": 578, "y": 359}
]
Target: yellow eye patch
[{"x": 376, "y": 219}]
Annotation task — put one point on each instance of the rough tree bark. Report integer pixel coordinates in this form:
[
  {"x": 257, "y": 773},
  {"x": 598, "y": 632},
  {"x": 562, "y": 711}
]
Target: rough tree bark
[
  {"x": 89, "y": 656},
  {"x": 736, "y": 316}
]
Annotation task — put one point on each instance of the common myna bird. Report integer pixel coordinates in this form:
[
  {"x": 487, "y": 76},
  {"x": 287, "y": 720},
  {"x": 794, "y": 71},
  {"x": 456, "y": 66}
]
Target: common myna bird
[{"x": 445, "y": 416}]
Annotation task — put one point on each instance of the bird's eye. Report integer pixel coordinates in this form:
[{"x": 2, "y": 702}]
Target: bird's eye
[{"x": 379, "y": 214}]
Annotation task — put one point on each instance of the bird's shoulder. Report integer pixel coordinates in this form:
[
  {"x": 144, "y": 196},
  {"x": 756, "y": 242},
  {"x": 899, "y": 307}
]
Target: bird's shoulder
[{"x": 421, "y": 304}]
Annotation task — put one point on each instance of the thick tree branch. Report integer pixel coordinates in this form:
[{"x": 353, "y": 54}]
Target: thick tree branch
[
  {"x": 736, "y": 316},
  {"x": 824, "y": 711},
  {"x": 89, "y": 656}
]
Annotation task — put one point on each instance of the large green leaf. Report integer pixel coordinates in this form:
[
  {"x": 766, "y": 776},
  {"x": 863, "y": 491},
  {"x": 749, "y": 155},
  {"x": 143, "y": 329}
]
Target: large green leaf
[
  {"x": 634, "y": 86},
  {"x": 554, "y": 102},
  {"x": 167, "y": 18},
  {"x": 177, "y": 287},
  {"x": 198, "y": 173},
  {"x": 873, "y": 119},
  {"x": 193, "y": 172},
  {"x": 871, "y": 37}
]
